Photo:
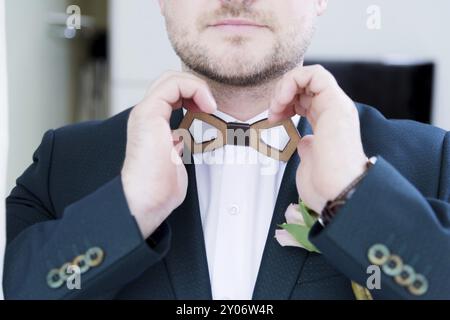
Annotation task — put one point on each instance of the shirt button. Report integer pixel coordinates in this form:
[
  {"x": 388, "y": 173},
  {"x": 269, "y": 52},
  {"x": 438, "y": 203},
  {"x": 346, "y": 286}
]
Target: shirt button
[{"x": 233, "y": 210}]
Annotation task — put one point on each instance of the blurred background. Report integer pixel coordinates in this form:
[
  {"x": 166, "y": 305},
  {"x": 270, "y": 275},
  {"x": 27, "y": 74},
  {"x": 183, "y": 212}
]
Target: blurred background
[{"x": 391, "y": 54}]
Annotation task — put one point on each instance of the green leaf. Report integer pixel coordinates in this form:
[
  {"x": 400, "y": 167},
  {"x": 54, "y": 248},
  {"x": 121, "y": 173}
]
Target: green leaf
[
  {"x": 307, "y": 217},
  {"x": 300, "y": 234}
]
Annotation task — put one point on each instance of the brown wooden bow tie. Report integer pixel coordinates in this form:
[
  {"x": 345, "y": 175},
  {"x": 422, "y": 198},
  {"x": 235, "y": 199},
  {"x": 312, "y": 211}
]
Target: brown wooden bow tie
[{"x": 242, "y": 134}]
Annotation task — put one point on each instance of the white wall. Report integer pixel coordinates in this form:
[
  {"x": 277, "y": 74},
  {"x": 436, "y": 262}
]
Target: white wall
[
  {"x": 140, "y": 51},
  {"x": 410, "y": 28},
  {"x": 3, "y": 134},
  {"x": 38, "y": 74}
]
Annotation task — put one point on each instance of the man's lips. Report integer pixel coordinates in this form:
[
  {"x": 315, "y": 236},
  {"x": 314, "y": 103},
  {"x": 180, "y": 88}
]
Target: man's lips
[{"x": 237, "y": 23}]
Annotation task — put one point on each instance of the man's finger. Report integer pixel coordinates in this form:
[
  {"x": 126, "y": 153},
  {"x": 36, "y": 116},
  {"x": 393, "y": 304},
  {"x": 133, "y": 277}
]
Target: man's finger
[
  {"x": 305, "y": 145},
  {"x": 169, "y": 95},
  {"x": 301, "y": 82}
]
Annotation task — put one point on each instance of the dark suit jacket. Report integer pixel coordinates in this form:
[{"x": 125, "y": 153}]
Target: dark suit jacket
[{"x": 71, "y": 199}]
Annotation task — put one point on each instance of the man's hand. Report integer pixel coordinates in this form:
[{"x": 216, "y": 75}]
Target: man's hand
[
  {"x": 153, "y": 175},
  {"x": 333, "y": 157}
]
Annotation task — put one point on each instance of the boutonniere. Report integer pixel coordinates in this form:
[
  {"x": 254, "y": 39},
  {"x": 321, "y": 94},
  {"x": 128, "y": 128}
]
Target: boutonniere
[{"x": 295, "y": 233}]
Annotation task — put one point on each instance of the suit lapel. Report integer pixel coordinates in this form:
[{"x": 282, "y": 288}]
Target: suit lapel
[
  {"x": 281, "y": 266},
  {"x": 186, "y": 261}
]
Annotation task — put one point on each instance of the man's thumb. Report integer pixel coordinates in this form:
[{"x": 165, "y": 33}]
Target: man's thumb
[{"x": 305, "y": 145}]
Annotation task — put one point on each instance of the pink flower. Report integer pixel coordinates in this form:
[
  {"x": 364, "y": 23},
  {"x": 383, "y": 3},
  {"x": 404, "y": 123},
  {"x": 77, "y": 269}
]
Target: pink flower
[
  {"x": 285, "y": 239},
  {"x": 293, "y": 216}
]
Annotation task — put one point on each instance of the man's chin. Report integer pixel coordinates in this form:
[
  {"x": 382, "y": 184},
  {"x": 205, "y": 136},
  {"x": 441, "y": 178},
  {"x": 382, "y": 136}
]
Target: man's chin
[
  {"x": 243, "y": 65},
  {"x": 237, "y": 79}
]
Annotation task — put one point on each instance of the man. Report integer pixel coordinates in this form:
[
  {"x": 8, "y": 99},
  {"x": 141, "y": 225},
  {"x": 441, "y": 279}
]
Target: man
[{"x": 113, "y": 198}]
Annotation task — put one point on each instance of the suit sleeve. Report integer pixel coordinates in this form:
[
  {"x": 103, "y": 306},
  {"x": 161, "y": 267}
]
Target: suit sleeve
[
  {"x": 98, "y": 234},
  {"x": 389, "y": 223}
]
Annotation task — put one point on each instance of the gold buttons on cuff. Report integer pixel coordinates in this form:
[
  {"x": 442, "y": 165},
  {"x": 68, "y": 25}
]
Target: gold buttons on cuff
[
  {"x": 393, "y": 265},
  {"x": 378, "y": 254},
  {"x": 94, "y": 256},
  {"x": 403, "y": 274},
  {"x": 419, "y": 286},
  {"x": 82, "y": 263},
  {"x": 406, "y": 276},
  {"x": 54, "y": 279}
]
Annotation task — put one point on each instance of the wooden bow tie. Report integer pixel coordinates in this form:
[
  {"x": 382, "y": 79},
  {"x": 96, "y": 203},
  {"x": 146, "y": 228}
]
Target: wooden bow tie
[{"x": 242, "y": 134}]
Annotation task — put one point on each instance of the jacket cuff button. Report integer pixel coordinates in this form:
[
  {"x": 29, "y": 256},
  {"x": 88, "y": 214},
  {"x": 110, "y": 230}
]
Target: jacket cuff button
[
  {"x": 393, "y": 266},
  {"x": 94, "y": 256},
  {"x": 81, "y": 262},
  {"x": 406, "y": 277},
  {"x": 419, "y": 286},
  {"x": 378, "y": 254},
  {"x": 54, "y": 280}
]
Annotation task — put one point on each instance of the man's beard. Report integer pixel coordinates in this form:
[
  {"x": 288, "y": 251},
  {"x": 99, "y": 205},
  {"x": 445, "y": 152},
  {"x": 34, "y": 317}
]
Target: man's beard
[
  {"x": 287, "y": 52},
  {"x": 271, "y": 67}
]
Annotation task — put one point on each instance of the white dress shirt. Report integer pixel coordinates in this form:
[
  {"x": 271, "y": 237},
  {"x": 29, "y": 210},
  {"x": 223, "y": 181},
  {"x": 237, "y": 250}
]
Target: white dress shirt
[{"x": 237, "y": 190}]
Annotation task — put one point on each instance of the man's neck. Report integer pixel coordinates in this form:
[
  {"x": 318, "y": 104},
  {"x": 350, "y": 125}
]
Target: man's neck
[{"x": 242, "y": 103}]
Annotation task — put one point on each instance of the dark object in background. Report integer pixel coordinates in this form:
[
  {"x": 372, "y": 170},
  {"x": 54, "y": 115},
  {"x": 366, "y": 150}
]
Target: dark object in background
[
  {"x": 99, "y": 46},
  {"x": 399, "y": 91},
  {"x": 94, "y": 80}
]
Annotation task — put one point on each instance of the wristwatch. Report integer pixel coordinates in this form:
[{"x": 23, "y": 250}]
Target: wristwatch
[{"x": 333, "y": 206}]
